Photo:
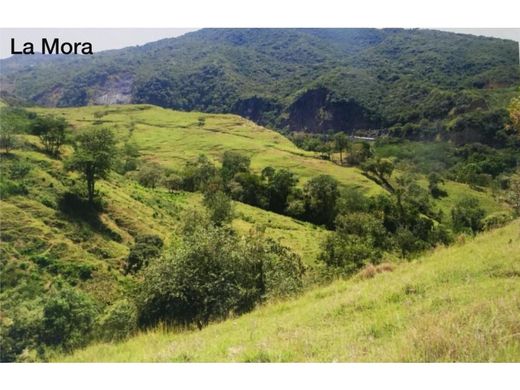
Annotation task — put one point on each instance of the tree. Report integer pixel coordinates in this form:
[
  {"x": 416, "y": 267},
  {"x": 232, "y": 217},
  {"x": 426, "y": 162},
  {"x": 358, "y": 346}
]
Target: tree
[
  {"x": 233, "y": 163},
  {"x": 93, "y": 157},
  {"x": 320, "y": 196},
  {"x": 219, "y": 206},
  {"x": 467, "y": 215},
  {"x": 382, "y": 168},
  {"x": 434, "y": 181},
  {"x": 198, "y": 173},
  {"x": 52, "y": 133},
  {"x": 340, "y": 143},
  {"x": 8, "y": 138},
  {"x": 359, "y": 153},
  {"x": 514, "y": 113}
]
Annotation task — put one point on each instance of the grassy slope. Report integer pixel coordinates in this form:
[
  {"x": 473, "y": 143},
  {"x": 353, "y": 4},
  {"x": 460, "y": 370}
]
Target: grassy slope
[
  {"x": 170, "y": 138},
  {"x": 32, "y": 226},
  {"x": 457, "y": 304}
]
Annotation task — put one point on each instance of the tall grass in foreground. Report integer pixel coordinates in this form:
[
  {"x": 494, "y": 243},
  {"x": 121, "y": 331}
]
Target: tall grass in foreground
[{"x": 456, "y": 304}]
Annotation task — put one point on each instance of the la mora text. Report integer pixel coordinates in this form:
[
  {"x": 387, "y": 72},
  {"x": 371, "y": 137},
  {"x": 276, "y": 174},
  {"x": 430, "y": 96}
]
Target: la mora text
[{"x": 51, "y": 46}]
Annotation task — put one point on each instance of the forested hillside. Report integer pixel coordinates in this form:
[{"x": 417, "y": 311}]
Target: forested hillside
[{"x": 290, "y": 79}]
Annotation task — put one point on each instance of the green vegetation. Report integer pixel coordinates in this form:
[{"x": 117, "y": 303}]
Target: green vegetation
[
  {"x": 410, "y": 81},
  {"x": 456, "y": 304},
  {"x": 62, "y": 253},
  {"x": 187, "y": 236},
  {"x": 93, "y": 157},
  {"x": 215, "y": 272}
]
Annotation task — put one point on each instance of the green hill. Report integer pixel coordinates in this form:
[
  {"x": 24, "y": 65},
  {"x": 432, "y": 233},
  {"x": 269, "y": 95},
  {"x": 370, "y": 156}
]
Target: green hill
[
  {"x": 171, "y": 138},
  {"x": 295, "y": 79},
  {"x": 455, "y": 304},
  {"x": 50, "y": 243}
]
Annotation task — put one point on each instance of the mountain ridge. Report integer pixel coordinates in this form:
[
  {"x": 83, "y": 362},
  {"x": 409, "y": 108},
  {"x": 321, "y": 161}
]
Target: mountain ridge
[{"x": 342, "y": 79}]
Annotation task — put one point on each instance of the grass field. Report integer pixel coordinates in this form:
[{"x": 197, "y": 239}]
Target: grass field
[
  {"x": 171, "y": 138},
  {"x": 456, "y": 304}
]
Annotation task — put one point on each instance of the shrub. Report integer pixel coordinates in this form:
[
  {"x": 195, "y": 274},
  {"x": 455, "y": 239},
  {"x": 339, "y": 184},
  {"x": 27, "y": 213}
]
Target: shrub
[
  {"x": 19, "y": 329},
  {"x": 172, "y": 182},
  {"x": 359, "y": 238},
  {"x": 496, "y": 220},
  {"x": 19, "y": 169},
  {"x": 119, "y": 321},
  {"x": 68, "y": 319},
  {"x": 219, "y": 206},
  {"x": 147, "y": 247},
  {"x": 150, "y": 175},
  {"x": 467, "y": 215},
  {"x": 8, "y": 138},
  {"x": 9, "y": 187},
  {"x": 214, "y": 273}
]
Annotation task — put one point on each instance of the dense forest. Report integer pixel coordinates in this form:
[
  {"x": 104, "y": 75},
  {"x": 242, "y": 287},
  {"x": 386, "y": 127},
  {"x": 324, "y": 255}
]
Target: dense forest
[{"x": 413, "y": 82}]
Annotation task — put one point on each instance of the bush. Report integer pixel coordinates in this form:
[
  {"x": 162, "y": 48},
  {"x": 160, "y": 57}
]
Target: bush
[
  {"x": 467, "y": 216},
  {"x": 119, "y": 321},
  {"x": 68, "y": 319},
  {"x": 19, "y": 330},
  {"x": 214, "y": 273},
  {"x": 150, "y": 175},
  {"x": 9, "y": 187},
  {"x": 496, "y": 220},
  {"x": 19, "y": 169},
  {"x": 147, "y": 247},
  {"x": 172, "y": 182},
  {"x": 359, "y": 238},
  {"x": 219, "y": 206}
]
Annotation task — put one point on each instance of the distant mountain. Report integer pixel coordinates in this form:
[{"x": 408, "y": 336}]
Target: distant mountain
[{"x": 290, "y": 79}]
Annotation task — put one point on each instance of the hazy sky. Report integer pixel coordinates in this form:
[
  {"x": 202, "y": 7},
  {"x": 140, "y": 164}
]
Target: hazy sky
[{"x": 116, "y": 38}]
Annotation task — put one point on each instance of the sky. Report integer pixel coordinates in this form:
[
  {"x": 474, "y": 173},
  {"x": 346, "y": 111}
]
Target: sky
[{"x": 117, "y": 38}]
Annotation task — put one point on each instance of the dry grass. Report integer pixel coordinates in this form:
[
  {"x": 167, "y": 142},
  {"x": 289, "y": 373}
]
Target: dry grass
[{"x": 370, "y": 270}]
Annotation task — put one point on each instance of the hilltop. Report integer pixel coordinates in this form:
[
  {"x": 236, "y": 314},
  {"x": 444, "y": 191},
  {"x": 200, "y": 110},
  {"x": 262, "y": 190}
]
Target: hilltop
[{"x": 455, "y": 304}]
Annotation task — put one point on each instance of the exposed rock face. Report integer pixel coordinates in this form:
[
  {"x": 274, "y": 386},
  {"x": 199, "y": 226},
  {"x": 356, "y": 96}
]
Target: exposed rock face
[
  {"x": 318, "y": 111},
  {"x": 117, "y": 89},
  {"x": 111, "y": 89},
  {"x": 257, "y": 109}
]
